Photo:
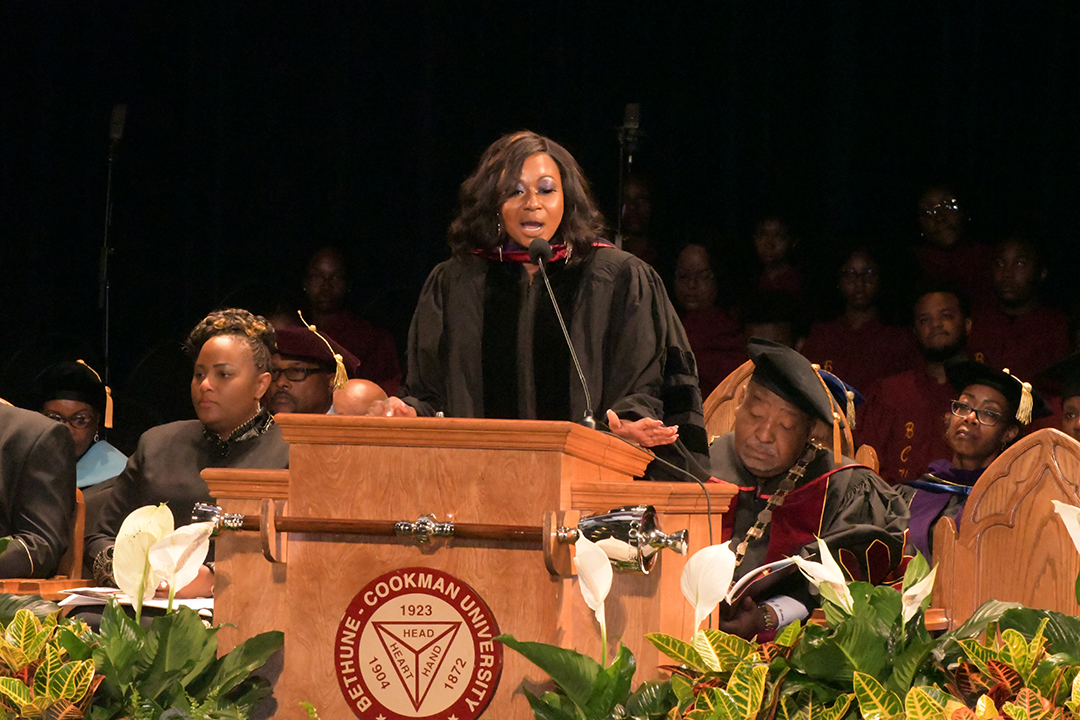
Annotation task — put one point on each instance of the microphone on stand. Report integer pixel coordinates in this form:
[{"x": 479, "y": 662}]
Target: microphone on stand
[
  {"x": 116, "y": 125},
  {"x": 540, "y": 253},
  {"x": 630, "y": 132}
]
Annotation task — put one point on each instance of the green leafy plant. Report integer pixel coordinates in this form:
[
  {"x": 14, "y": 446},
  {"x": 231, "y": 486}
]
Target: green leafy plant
[
  {"x": 586, "y": 690},
  {"x": 43, "y": 671},
  {"x": 171, "y": 669},
  {"x": 873, "y": 659}
]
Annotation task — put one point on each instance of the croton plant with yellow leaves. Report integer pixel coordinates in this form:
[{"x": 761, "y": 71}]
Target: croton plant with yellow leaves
[{"x": 872, "y": 659}]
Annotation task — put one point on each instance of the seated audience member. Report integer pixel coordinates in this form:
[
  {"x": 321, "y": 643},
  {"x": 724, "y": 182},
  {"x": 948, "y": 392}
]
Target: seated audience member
[
  {"x": 231, "y": 350},
  {"x": 713, "y": 331},
  {"x": 72, "y": 394},
  {"x": 991, "y": 409},
  {"x": 1062, "y": 379},
  {"x": 1017, "y": 331},
  {"x": 326, "y": 286},
  {"x": 946, "y": 254},
  {"x": 858, "y": 345},
  {"x": 774, "y": 244},
  {"x": 357, "y": 397},
  {"x": 773, "y": 316},
  {"x": 791, "y": 491},
  {"x": 305, "y": 371},
  {"x": 904, "y": 415},
  {"x": 636, "y": 215},
  {"x": 37, "y": 492}
]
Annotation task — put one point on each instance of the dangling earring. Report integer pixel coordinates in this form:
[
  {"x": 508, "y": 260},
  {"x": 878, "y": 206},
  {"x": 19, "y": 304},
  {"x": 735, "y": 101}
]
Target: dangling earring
[
  {"x": 97, "y": 437},
  {"x": 569, "y": 251},
  {"x": 499, "y": 234}
]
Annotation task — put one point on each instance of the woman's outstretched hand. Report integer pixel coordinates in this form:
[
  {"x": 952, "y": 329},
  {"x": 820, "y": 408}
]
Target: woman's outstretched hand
[{"x": 646, "y": 432}]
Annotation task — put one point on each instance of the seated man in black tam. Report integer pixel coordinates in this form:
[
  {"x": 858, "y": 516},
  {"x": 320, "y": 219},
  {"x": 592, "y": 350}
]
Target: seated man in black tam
[
  {"x": 37, "y": 492},
  {"x": 791, "y": 491}
]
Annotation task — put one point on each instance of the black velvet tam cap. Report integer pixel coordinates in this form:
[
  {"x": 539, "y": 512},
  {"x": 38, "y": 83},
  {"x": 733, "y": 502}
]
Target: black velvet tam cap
[
  {"x": 965, "y": 373},
  {"x": 71, "y": 381},
  {"x": 1062, "y": 378},
  {"x": 791, "y": 376}
]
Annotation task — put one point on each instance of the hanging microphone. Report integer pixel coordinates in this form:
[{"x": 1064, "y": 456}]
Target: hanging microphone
[
  {"x": 116, "y": 123},
  {"x": 540, "y": 253}
]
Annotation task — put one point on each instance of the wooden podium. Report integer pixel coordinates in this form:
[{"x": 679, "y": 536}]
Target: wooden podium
[{"x": 500, "y": 472}]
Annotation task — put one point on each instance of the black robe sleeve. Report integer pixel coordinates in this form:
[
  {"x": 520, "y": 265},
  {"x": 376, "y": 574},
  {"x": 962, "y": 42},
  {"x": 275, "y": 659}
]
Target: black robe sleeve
[{"x": 38, "y": 478}]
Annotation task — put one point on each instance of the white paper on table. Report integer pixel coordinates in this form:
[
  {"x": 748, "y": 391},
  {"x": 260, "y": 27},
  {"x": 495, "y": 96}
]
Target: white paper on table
[{"x": 102, "y": 595}]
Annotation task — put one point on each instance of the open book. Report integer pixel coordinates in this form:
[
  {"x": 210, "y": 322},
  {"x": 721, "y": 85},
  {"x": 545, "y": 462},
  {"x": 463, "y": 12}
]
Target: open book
[{"x": 760, "y": 581}]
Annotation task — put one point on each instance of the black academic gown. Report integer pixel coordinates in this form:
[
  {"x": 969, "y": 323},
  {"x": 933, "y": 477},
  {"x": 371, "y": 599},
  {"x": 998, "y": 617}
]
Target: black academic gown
[
  {"x": 37, "y": 492},
  {"x": 484, "y": 342},
  {"x": 165, "y": 469},
  {"x": 860, "y": 517}
]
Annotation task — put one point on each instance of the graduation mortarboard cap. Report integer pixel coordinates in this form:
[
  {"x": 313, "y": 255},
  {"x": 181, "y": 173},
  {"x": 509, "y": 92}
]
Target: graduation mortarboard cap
[
  {"x": 785, "y": 372},
  {"x": 75, "y": 381},
  {"x": 1062, "y": 378},
  {"x": 1024, "y": 403},
  {"x": 847, "y": 398}
]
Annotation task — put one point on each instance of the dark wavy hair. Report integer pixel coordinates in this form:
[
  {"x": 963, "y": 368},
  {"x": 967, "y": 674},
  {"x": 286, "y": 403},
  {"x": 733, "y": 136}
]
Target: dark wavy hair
[
  {"x": 255, "y": 330},
  {"x": 478, "y": 224}
]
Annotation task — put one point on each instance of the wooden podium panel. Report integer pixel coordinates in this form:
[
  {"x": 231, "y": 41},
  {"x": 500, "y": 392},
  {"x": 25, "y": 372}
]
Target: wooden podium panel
[{"x": 466, "y": 471}]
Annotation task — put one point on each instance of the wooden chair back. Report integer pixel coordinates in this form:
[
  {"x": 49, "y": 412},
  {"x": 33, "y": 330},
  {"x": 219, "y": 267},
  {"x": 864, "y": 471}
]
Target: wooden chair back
[
  {"x": 72, "y": 562},
  {"x": 1011, "y": 545},
  {"x": 721, "y": 404}
]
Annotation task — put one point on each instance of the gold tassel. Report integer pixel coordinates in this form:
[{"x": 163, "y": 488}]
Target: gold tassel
[
  {"x": 1023, "y": 413},
  {"x": 341, "y": 377},
  {"x": 837, "y": 445},
  {"x": 836, "y": 434},
  {"x": 851, "y": 410},
  {"x": 108, "y": 395}
]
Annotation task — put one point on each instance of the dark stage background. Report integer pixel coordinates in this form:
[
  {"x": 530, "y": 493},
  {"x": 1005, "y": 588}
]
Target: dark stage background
[{"x": 258, "y": 132}]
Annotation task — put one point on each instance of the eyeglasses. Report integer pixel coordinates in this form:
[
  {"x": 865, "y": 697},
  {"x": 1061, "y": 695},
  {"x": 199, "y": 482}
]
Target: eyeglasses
[
  {"x": 985, "y": 417},
  {"x": 79, "y": 421},
  {"x": 934, "y": 211},
  {"x": 293, "y": 374}
]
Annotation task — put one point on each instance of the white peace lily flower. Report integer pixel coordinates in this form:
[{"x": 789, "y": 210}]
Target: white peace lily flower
[
  {"x": 176, "y": 558},
  {"x": 131, "y": 564},
  {"x": 827, "y": 574},
  {"x": 913, "y": 597},
  {"x": 155, "y": 519},
  {"x": 594, "y": 577},
  {"x": 706, "y": 579},
  {"x": 1070, "y": 515}
]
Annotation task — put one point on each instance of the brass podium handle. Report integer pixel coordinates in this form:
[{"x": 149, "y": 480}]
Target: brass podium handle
[{"x": 423, "y": 529}]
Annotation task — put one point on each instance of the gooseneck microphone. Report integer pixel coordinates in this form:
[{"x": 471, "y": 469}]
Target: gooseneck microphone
[{"x": 540, "y": 253}]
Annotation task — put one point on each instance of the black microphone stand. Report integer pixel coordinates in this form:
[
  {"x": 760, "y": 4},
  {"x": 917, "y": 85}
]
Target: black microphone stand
[
  {"x": 116, "y": 132},
  {"x": 539, "y": 252}
]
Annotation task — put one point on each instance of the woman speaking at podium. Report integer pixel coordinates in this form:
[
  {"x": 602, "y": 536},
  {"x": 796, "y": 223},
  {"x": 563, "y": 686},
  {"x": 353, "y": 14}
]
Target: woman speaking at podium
[{"x": 485, "y": 340}]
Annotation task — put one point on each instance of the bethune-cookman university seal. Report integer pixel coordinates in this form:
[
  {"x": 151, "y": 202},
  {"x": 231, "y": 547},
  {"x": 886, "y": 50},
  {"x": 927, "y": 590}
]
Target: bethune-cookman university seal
[{"x": 417, "y": 643}]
